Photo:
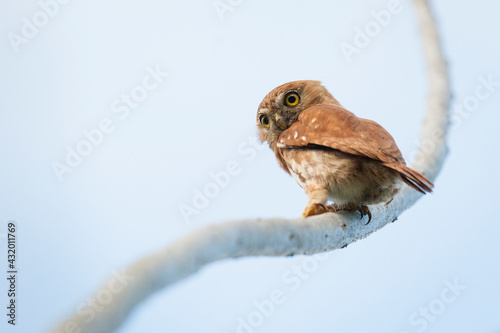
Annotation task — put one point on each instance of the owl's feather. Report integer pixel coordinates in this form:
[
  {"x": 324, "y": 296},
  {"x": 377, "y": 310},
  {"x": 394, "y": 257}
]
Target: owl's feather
[{"x": 335, "y": 127}]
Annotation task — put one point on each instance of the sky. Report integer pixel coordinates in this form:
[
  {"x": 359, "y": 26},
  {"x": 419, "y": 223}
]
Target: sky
[{"x": 115, "y": 116}]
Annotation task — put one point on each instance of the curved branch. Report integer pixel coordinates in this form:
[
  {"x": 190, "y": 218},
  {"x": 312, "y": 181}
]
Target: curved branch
[{"x": 280, "y": 237}]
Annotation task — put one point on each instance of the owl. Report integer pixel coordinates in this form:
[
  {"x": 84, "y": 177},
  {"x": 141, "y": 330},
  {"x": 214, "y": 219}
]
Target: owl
[{"x": 332, "y": 154}]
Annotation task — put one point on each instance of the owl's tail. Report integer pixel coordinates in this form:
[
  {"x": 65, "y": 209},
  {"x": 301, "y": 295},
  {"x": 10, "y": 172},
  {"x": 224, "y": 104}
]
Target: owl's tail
[{"x": 412, "y": 177}]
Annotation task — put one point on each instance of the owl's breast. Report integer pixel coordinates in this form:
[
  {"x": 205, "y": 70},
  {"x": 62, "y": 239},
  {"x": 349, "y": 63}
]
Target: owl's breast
[
  {"x": 348, "y": 178},
  {"x": 318, "y": 166}
]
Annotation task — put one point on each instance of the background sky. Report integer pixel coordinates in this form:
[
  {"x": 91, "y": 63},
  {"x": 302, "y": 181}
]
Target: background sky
[{"x": 435, "y": 270}]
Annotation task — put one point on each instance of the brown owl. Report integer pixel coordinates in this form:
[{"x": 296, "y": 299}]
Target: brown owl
[{"x": 331, "y": 153}]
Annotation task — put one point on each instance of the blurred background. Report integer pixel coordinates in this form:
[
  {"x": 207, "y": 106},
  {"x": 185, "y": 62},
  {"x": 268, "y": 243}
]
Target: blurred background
[{"x": 115, "y": 117}]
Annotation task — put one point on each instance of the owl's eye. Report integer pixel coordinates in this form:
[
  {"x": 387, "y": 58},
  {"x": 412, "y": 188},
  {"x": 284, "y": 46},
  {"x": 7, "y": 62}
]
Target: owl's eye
[
  {"x": 264, "y": 120},
  {"x": 292, "y": 99}
]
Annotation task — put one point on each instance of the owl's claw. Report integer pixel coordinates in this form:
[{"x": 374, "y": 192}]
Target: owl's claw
[
  {"x": 363, "y": 210},
  {"x": 318, "y": 208}
]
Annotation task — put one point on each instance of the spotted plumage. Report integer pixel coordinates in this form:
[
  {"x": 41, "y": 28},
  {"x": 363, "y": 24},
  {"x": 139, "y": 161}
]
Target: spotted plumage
[{"x": 331, "y": 153}]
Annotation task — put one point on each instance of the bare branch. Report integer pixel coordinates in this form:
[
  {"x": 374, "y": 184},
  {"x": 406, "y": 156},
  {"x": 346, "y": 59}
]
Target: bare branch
[{"x": 281, "y": 237}]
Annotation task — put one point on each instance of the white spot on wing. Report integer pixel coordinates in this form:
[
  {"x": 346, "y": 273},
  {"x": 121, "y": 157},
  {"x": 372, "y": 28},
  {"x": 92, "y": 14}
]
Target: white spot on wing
[
  {"x": 295, "y": 135},
  {"x": 303, "y": 138},
  {"x": 312, "y": 121}
]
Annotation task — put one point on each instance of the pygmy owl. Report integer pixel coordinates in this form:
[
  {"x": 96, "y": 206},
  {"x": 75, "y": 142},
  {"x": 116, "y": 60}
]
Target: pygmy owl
[{"x": 331, "y": 153}]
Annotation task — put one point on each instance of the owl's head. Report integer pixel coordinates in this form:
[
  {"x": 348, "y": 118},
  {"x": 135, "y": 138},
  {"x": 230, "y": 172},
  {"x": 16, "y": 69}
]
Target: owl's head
[{"x": 282, "y": 106}]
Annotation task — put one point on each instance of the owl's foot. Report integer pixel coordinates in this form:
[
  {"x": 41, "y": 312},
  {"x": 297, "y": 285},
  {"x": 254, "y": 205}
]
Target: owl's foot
[
  {"x": 315, "y": 209},
  {"x": 363, "y": 210},
  {"x": 318, "y": 208}
]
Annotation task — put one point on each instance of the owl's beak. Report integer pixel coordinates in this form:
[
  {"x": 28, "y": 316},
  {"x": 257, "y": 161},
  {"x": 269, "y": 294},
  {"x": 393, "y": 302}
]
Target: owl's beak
[{"x": 281, "y": 123}]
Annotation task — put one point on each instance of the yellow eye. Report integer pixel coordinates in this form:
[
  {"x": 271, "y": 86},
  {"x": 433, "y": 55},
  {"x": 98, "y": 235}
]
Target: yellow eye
[
  {"x": 264, "y": 120},
  {"x": 292, "y": 99}
]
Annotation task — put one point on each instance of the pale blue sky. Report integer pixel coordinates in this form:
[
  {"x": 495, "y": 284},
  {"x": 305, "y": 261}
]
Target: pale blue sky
[{"x": 122, "y": 201}]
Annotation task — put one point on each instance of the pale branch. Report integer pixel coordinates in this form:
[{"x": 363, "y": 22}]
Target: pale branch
[{"x": 280, "y": 237}]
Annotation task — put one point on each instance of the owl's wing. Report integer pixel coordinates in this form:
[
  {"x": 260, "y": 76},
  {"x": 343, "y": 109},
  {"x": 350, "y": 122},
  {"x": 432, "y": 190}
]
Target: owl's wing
[{"x": 334, "y": 127}]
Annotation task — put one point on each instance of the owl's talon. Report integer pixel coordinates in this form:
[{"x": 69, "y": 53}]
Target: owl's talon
[{"x": 364, "y": 210}]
